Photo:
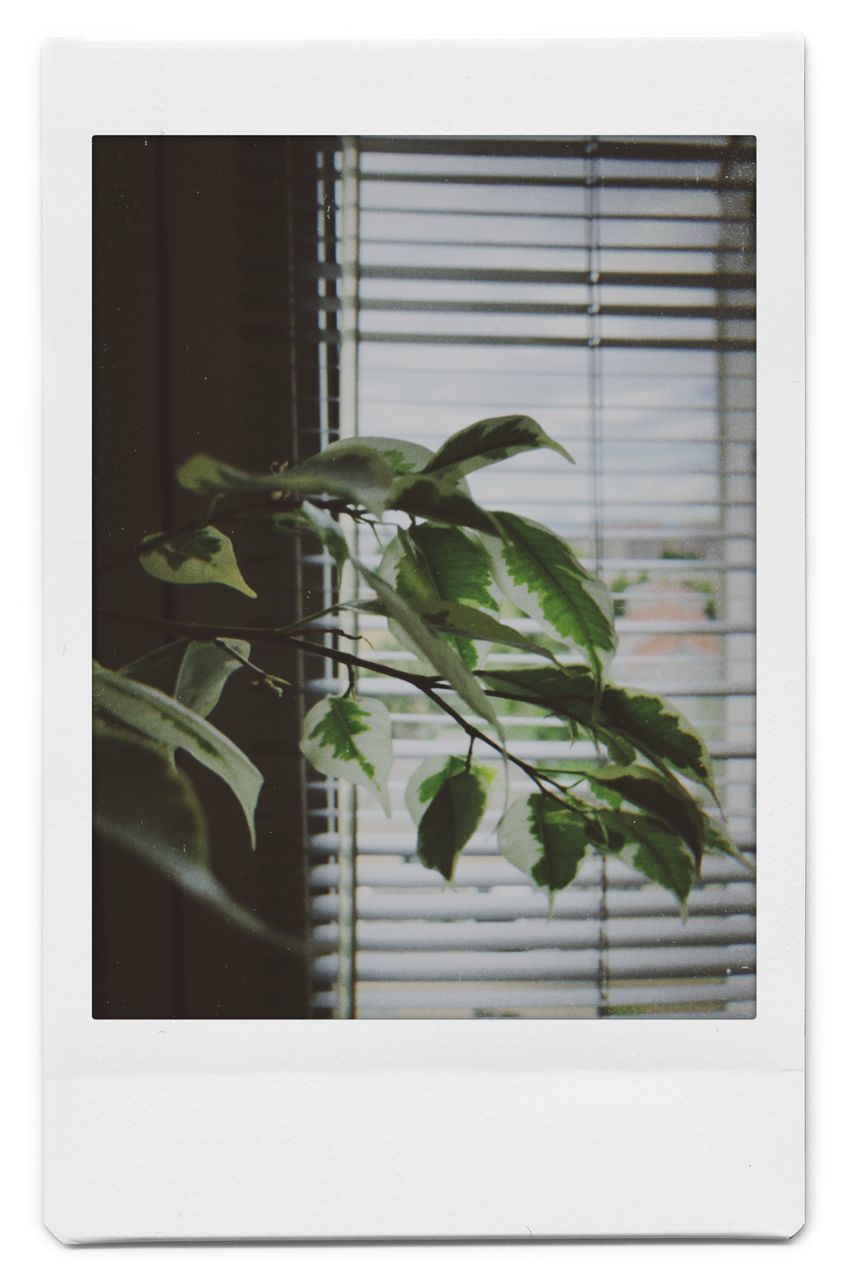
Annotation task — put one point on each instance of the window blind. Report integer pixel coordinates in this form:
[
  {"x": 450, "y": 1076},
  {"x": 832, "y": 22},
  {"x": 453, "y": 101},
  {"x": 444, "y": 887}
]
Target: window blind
[{"x": 605, "y": 286}]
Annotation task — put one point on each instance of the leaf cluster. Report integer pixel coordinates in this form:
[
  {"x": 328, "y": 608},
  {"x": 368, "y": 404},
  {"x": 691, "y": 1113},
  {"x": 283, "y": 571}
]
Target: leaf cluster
[{"x": 459, "y": 586}]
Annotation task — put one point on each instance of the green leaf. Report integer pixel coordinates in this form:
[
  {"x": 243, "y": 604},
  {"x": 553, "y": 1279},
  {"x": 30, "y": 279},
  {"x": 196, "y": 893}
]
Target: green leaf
[
  {"x": 195, "y": 558},
  {"x": 429, "y": 646},
  {"x": 434, "y": 563},
  {"x": 139, "y": 791},
  {"x": 613, "y": 799},
  {"x": 204, "y": 671},
  {"x": 349, "y": 470},
  {"x": 436, "y": 499},
  {"x": 171, "y": 724},
  {"x": 658, "y": 795},
  {"x": 544, "y": 840},
  {"x": 718, "y": 840},
  {"x": 491, "y": 440},
  {"x": 350, "y": 738},
  {"x": 450, "y": 820},
  {"x": 652, "y": 849},
  {"x": 655, "y": 726},
  {"x": 460, "y": 621},
  {"x": 540, "y": 574},
  {"x": 450, "y": 565},
  {"x": 563, "y": 689},
  {"x": 426, "y": 780},
  {"x": 625, "y": 719},
  {"x": 147, "y": 807}
]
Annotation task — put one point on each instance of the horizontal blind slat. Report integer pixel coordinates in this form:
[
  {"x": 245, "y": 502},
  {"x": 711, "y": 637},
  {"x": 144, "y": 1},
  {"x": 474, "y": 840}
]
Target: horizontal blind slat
[
  {"x": 492, "y": 872},
  {"x": 645, "y": 962},
  {"x": 517, "y": 903},
  {"x": 394, "y": 996}
]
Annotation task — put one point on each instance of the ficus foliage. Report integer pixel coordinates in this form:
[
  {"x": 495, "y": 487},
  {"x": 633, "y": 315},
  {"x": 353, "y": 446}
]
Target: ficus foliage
[{"x": 451, "y": 583}]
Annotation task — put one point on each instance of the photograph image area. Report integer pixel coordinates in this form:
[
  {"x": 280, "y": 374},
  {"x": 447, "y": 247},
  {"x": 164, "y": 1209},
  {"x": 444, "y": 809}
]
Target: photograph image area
[{"x": 424, "y": 577}]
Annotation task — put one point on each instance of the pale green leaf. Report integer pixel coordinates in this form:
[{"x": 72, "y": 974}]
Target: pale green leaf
[
  {"x": 193, "y": 671},
  {"x": 613, "y": 799},
  {"x": 540, "y": 573},
  {"x": 450, "y": 820},
  {"x": 144, "y": 805},
  {"x": 543, "y": 839},
  {"x": 202, "y": 556},
  {"x": 350, "y": 738},
  {"x": 204, "y": 671},
  {"x": 349, "y": 470},
  {"x": 404, "y": 457},
  {"x": 491, "y": 440},
  {"x": 424, "y": 783},
  {"x": 158, "y": 668},
  {"x": 169, "y": 723},
  {"x": 429, "y": 646}
]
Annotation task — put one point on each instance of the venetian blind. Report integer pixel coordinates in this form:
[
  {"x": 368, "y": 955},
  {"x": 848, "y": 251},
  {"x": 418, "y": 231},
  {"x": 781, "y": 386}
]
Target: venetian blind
[{"x": 605, "y": 286}]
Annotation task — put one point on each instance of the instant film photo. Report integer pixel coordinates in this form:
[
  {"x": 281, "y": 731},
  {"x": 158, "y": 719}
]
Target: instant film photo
[{"x": 424, "y": 640}]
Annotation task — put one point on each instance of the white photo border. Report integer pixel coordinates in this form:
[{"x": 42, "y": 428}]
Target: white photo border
[{"x": 489, "y": 1129}]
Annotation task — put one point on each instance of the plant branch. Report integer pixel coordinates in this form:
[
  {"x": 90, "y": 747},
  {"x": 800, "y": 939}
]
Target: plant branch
[
  {"x": 283, "y": 635},
  {"x": 473, "y": 732},
  {"x": 354, "y": 662}
]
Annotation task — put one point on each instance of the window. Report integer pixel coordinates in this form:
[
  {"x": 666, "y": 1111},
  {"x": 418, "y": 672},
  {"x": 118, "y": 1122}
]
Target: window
[{"x": 606, "y": 287}]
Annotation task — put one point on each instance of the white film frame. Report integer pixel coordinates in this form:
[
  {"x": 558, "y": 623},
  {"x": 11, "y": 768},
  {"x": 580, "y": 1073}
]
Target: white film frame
[{"x": 197, "y": 1130}]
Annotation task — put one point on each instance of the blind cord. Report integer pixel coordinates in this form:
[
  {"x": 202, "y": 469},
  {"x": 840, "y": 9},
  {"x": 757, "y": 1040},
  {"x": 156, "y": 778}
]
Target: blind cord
[{"x": 594, "y": 364}]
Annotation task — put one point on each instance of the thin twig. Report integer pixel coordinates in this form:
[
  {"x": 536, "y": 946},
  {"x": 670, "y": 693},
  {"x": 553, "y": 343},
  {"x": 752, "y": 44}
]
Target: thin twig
[
  {"x": 473, "y": 732},
  {"x": 354, "y": 662},
  {"x": 282, "y": 635},
  {"x": 268, "y": 677}
]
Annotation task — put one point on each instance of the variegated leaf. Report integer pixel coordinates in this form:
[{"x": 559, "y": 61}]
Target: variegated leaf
[
  {"x": 167, "y": 722},
  {"x": 543, "y": 839},
  {"x": 539, "y": 573},
  {"x": 424, "y": 783},
  {"x": 350, "y": 738},
  {"x": 202, "y": 556},
  {"x": 489, "y": 441},
  {"x": 449, "y": 821}
]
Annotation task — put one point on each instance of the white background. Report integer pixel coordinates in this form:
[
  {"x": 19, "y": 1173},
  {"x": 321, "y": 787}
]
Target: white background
[{"x": 830, "y": 155}]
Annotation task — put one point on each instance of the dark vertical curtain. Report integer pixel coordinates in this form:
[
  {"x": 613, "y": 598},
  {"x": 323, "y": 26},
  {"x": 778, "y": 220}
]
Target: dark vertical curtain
[{"x": 202, "y": 341}]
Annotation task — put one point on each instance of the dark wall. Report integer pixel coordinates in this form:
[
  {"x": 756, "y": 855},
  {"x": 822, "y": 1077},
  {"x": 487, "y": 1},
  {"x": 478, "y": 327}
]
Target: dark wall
[{"x": 198, "y": 345}]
